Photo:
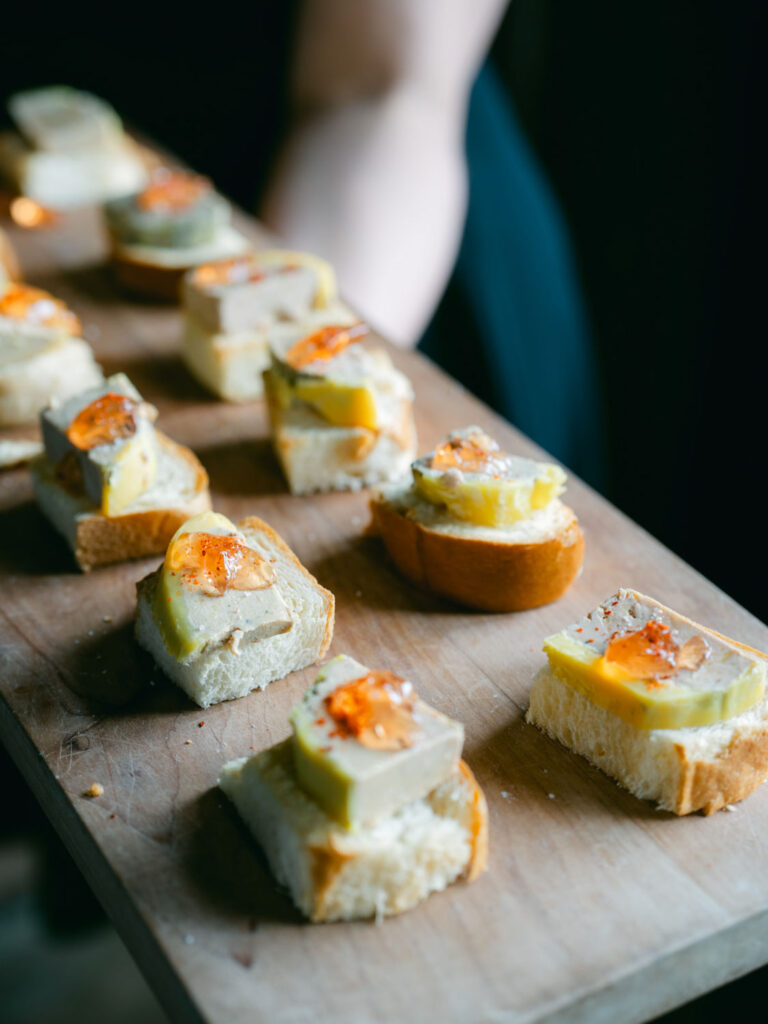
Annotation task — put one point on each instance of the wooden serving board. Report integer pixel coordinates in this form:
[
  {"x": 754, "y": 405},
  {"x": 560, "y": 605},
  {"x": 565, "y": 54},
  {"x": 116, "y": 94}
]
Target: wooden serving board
[{"x": 595, "y": 907}]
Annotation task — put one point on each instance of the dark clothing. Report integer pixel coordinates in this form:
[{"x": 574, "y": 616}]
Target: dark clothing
[{"x": 512, "y": 326}]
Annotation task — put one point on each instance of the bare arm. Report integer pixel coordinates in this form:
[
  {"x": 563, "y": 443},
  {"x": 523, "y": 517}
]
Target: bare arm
[{"x": 372, "y": 175}]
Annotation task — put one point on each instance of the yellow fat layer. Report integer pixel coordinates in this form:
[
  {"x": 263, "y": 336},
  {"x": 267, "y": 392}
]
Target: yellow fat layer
[
  {"x": 493, "y": 502},
  {"x": 344, "y": 405},
  {"x": 130, "y": 474},
  {"x": 169, "y": 614},
  {"x": 644, "y": 705}
]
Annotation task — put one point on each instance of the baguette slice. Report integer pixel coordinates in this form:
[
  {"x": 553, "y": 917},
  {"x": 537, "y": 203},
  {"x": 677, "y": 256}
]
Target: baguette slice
[
  {"x": 224, "y": 671},
  {"x": 697, "y": 768},
  {"x": 61, "y": 370},
  {"x": 157, "y": 272},
  {"x": 317, "y": 456},
  {"x": 383, "y": 869},
  {"x": 703, "y": 768},
  {"x": 180, "y": 491},
  {"x": 495, "y": 569}
]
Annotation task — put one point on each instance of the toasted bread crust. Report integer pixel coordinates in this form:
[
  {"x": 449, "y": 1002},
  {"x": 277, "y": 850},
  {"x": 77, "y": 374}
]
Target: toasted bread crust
[
  {"x": 327, "y": 863},
  {"x": 101, "y": 540},
  {"x": 491, "y": 576},
  {"x": 708, "y": 786},
  {"x": 8, "y": 258},
  {"x": 144, "y": 278},
  {"x": 478, "y": 858}
]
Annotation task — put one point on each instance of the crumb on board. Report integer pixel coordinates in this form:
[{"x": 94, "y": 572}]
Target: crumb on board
[
  {"x": 200, "y": 724},
  {"x": 95, "y": 789},
  {"x": 187, "y": 743},
  {"x": 108, "y": 618}
]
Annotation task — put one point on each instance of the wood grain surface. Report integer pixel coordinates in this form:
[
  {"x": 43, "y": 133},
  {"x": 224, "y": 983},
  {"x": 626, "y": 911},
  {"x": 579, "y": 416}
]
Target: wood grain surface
[{"x": 595, "y": 907}]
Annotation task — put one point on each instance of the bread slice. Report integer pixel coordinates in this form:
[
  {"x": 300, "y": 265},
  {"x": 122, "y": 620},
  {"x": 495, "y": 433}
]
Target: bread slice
[
  {"x": 225, "y": 670},
  {"x": 229, "y": 365},
  {"x": 334, "y": 874},
  {"x": 179, "y": 492},
  {"x": 497, "y": 569},
  {"x": 667, "y": 740},
  {"x": 29, "y": 385},
  {"x": 9, "y": 264},
  {"x": 157, "y": 272},
  {"x": 317, "y": 456},
  {"x": 702, "y": 768}
]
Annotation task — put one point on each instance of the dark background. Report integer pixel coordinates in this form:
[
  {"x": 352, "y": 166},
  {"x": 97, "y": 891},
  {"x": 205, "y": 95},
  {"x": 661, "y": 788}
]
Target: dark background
[{"x": 646, "y": 119}]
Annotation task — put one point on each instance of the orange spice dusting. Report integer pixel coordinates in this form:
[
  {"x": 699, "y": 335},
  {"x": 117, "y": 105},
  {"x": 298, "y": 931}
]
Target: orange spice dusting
[
  {"x": 323, "y": 345},
  {"x": 651, "y": 653},
  {"x": 377, "y": 709},
  {"x": 34, "y": 306},
  {"x": 215, "y": 564},
  {"x": 110, "y": 417},
  {"x": 477, "y": 453},
  {"x": 172, "y": 191},
  {"x": 237, "y": 270}
]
